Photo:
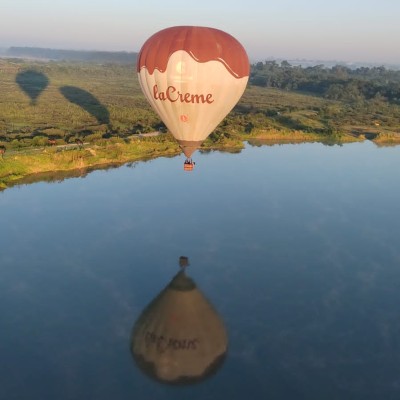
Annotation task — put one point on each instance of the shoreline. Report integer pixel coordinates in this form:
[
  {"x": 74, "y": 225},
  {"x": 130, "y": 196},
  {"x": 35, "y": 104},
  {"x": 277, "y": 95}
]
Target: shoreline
[
  {"x": 52, "y": 164},
  {"x": 21, "y": 167}
]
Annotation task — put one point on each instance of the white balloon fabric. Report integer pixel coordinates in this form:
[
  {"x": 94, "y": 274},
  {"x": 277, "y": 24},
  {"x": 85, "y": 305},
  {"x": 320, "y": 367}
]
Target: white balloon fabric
[{"x": 192, "y": 77}]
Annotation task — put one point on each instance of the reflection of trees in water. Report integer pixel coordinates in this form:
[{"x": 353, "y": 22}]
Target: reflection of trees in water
[
  {"x": 32, "y": 83},
  {"x": 179, "y": 338},
  {"x": 59, "y": 176}
]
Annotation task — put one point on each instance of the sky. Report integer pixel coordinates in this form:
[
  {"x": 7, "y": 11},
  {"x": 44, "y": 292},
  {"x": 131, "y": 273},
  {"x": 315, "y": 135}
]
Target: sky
[{"x": 342, "y": 30}]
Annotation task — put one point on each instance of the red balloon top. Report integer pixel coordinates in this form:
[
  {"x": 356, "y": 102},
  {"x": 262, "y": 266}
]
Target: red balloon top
[{"x": 203, "y": 44}]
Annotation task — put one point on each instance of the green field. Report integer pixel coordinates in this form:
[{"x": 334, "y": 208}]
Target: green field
[{"x": 45, "y": 103}]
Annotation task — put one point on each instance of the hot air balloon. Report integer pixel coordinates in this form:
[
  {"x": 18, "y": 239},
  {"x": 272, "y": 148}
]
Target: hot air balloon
[
  {"x": 179, "y": 338},
  {"x": 192, "y": 76}
]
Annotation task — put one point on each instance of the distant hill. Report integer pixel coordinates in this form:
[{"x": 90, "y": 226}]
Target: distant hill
[{"x": 121, "y": 57}]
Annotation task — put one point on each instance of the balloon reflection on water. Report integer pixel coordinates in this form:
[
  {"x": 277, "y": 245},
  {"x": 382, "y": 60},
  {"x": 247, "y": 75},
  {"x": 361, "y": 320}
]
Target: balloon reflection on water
[{"x": 179, "y": 338}]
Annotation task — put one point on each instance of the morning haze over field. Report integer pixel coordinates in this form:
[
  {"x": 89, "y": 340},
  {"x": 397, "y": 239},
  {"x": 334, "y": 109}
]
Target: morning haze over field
[{"x": 350, "y": 31}]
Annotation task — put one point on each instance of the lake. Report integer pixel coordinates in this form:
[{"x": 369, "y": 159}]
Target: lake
[{"x": 295, "y": 246}]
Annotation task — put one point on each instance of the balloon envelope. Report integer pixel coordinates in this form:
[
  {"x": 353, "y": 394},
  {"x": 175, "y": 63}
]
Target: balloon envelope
[{"x": 192, "y": 76}]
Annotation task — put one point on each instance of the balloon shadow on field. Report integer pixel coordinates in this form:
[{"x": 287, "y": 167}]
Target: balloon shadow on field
[
  {"x": 86, "y": 101},
  {"x": 32, "y": 83}
]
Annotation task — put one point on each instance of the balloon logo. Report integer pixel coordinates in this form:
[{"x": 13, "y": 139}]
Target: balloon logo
[
  {"x": 179, "y": 338},
  {"x": 192, "y": 76}
]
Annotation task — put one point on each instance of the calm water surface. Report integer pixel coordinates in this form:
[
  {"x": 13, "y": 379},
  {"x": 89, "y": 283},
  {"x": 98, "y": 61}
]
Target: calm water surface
[{"x": 296, "y": 247}]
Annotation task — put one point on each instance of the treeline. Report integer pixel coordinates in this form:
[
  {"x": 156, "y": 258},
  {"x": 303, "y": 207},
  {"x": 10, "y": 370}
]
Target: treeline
[
  {"x": 121, "y": 57},
  {"x": 337, "y": 83}
]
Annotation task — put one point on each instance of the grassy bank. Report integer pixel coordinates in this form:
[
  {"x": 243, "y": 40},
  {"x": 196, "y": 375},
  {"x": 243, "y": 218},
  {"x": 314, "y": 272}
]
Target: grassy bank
[
  {"x": 297, "y": 136},
  {"x": 22, "y": 166},
  {"x": 18, "y": 165},
  {"x": 54, "y": 163}
]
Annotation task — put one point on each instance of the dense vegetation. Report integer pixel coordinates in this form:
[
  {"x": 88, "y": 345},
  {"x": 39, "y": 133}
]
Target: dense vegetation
[
  {"x": 336, "y": 83},
  {"x": 365, "y": 100},
  {"x": 59, "y": 102}
]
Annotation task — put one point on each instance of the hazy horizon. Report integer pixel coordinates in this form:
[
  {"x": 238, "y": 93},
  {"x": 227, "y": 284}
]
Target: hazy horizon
[
  {"x": 348, "y": 31},
  {"x": 294, "y": 61}
]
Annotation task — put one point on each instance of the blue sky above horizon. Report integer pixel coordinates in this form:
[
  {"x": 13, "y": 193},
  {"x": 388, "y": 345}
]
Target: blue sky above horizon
[{"x": 344, "y": 30}]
